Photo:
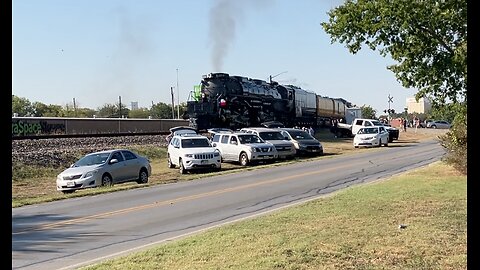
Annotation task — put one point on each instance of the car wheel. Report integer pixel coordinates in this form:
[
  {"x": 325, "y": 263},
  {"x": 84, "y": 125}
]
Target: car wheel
[
  {"x": 434, "y": 126},
  {"x": 67, "y": 191},
  {"x": 142, "y": 177},
  {"x": 107, "y": 180},
  {"x": 244, "y": 159},
  {"x": 170, "y": 164},
  {"x": 181, "y": 168}
]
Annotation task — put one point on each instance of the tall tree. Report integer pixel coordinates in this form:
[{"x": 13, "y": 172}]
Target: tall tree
[
  {"x": 139, "y": 113},
  {"x": 428, "y": 39},
  {"x": 162, "y": 111},
  {"x": 22, "y": 106},
  {"x": 368, "y": 112}
]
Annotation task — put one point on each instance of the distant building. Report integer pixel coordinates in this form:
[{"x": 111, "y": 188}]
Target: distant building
[
  {"x": 134, "y": 105},
  {"x": 422, "y": 106}
]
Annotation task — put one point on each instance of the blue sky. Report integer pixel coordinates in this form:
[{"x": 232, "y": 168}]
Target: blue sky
[{"x": 95, "y": 51}]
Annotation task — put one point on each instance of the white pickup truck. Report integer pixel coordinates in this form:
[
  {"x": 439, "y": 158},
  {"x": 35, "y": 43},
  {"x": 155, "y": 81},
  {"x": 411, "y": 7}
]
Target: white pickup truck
[{"x": 357, "y": 123}]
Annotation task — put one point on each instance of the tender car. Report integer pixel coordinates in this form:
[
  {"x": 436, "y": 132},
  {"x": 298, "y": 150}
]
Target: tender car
[
  {"x": 373, "y": 136},
  {"x": 438, "y": 124},
  {"x": 285, "y": 148},
  {"x": 304, "y": 142},
  {"x": 244, "y": 148},
  {"x": 104, "y": 168},
  {"x": 192, "y": 152}
]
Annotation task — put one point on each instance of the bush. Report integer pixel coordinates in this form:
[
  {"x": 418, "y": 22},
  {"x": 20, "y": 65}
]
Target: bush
[{"x": 455, "y": 142}]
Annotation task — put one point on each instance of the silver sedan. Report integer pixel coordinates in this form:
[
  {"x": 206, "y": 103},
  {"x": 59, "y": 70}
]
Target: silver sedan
[{"x": 104, "y": 169}]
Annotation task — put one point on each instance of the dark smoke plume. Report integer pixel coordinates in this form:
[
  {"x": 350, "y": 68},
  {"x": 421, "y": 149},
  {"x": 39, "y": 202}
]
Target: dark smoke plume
[{"x": 225, "y": 16}]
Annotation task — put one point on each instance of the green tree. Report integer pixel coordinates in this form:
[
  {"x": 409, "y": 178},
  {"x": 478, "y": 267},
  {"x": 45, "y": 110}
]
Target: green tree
[
  {"x": 22, "y": 106},
  {"x": 86, "y": 112},
  {"x": 368, "y": 112},
  {"x": 108, "y": 110},
  {"x": 139, "y": 113},
  {"x": 44, "y": 110},
  {"x": 428, "y": 39},
  {"x": 162, "y": 111}
]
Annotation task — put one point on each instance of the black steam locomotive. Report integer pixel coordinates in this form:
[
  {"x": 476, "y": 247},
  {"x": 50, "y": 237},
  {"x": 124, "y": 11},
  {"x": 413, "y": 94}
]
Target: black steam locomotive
[{"x": 234, "y": 102}]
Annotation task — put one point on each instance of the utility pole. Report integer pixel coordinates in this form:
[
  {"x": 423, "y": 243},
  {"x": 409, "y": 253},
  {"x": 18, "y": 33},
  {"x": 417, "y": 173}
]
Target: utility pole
[
  {"x": 74, "y": 108},
  {"x": 173, "y": 103},
  {"x": 178, "y": 98},
  {"x": 119, "y": 106}
]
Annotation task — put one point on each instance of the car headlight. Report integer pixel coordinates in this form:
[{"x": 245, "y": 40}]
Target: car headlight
[
  {"x": 90, "y": 174},
  {"x": 216, "y": 153},
  {"x": 189, "y": 155}
]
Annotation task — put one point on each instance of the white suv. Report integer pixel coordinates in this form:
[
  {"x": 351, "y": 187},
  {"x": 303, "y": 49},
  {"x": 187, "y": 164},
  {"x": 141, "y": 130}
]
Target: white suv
[
  {"x": 243, "y": 147},
  {"x": 285, "y": 148},
  {"x": 192, "y": 152}
]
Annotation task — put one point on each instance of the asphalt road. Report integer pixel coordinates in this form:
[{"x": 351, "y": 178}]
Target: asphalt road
[{"x": 76, "y": 232}]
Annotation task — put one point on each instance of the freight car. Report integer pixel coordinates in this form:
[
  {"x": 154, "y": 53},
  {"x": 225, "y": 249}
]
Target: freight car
[
  {"x": 234, "y": 102},
  {"x": 43, "y": 127}
]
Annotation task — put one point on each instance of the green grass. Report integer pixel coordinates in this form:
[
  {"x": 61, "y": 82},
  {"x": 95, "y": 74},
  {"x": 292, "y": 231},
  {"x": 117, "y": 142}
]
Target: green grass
[{"x": 356, "y": 228}]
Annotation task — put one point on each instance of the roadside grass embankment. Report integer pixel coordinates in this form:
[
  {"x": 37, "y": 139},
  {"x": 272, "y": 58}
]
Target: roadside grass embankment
[{"x": 355, "y": 228}]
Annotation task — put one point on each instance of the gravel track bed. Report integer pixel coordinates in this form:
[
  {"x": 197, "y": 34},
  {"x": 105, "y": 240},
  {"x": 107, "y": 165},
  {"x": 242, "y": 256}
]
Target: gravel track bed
[{"x": 63, "y": 151}]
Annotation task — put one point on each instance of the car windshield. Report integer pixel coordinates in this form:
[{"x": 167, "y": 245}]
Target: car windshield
[
  {"x": 249, "y": 138},
  {"x": 192, "y": 143},
  {"x": 368, "y": 131},
  {"x": 271, "y": 135},
  {"x": 300, "y": 135},
  {"x": 92, "y": 159}
]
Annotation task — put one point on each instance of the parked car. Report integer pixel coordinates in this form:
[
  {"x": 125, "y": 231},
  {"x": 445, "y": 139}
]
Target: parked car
[
  {"x": 272, "y": 124},
  {"x": 244, "y": 148},
  {"x": 285, "y": 148},
  {"x": 104, "y": 168},
  {"x": 304, "y": 142},
  {"x": 373, "y": 136},
  {"x": 192, "y": 152},
  {"x": 179, "y": 131},
  {"x": 438, "y": 124},
  {"x": 213, "y": 131}
]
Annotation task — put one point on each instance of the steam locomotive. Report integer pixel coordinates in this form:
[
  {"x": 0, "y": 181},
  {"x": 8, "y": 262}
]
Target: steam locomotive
[{"x": 225, "y": 101}]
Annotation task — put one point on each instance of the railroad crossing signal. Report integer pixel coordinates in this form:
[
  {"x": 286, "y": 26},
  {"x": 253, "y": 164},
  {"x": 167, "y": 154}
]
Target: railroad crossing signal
[{"x": 390, "y": 99}]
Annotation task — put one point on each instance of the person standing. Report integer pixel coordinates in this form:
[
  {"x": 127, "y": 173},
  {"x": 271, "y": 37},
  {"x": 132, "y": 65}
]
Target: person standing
[
  {"x": 311, "y": 131},
  {"x": 404, "y": 120}
]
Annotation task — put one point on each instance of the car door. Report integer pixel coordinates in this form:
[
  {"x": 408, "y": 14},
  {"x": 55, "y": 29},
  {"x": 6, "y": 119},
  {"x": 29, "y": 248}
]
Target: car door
[
  {"x": 118, "y": 170},
  {"x": 231, "y": 149},
  {"x": 174, "y": 151},
  {"x": 133, "y": 165},
  {"x": 224, "y": 147},
  {"x": 383, "y": 135}
]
